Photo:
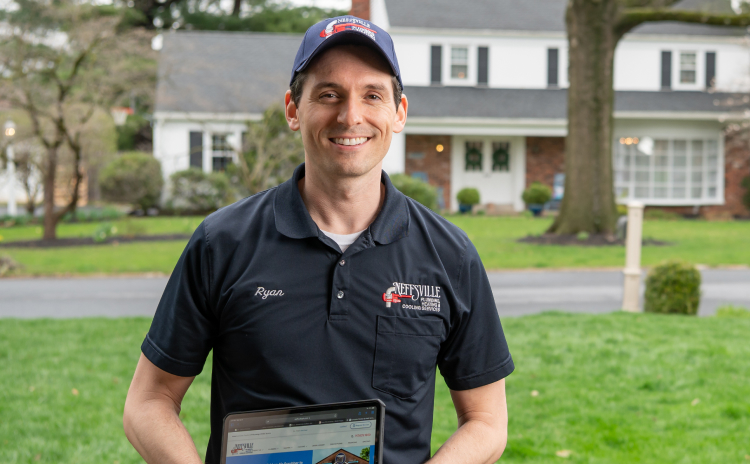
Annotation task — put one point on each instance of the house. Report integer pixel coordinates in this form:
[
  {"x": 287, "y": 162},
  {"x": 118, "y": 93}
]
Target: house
[
  {"x": 486, "y": 84},
  {"x": 342, "y": 456}
]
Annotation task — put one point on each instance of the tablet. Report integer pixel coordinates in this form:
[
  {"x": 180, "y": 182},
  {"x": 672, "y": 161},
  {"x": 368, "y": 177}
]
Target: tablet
[{"x": 335, "y": 433}]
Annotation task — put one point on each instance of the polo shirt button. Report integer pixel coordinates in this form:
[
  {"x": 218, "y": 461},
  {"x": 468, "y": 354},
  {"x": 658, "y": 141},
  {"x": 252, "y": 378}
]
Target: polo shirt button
[
  {"x": 342, "y": 262},
  {"x": 340, "y": 294}
]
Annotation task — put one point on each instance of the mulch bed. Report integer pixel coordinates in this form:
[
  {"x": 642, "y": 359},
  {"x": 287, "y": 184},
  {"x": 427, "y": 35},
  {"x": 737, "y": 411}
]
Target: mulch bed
[
  {"x": 592, "y": 240},
  {"x": 85, "y": 241}
]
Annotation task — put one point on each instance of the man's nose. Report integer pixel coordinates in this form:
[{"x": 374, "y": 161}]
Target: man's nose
[{"x": 351, "y": 113}]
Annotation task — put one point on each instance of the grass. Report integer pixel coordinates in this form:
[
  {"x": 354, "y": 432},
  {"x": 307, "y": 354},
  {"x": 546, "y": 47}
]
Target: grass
[
  {"x": 125, "y": 226},
  {"x": 616, "y": 388},
  {"x": 699, "y": 242}
]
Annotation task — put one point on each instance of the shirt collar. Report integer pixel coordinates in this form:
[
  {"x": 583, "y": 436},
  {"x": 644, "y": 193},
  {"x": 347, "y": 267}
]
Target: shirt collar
[{"x": 293, "y": 220}]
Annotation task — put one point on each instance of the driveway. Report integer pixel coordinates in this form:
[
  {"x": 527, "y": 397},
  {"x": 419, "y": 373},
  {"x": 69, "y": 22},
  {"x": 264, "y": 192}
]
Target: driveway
[{"x": 516, "y": 293}]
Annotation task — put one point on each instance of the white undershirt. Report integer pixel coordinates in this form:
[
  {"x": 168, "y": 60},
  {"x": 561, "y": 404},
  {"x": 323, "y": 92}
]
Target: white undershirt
[{"x": 343, "y": 241}]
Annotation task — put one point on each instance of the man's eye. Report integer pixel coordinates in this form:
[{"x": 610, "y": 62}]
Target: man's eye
[
  {"x": 328, "y": 95},
  {"x": 374, "y": 97}
]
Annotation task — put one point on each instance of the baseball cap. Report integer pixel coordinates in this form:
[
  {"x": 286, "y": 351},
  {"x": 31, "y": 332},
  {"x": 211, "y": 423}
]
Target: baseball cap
[{"x": 344, "y": 30}]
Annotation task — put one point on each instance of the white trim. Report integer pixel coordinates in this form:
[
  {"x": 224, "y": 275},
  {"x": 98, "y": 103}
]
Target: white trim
[
  {"x": 486, "y": 126},
  {"x": 200, "y": 116},
  {"x": 681, "y": 115},
  {"x": 561, "y": 35}
]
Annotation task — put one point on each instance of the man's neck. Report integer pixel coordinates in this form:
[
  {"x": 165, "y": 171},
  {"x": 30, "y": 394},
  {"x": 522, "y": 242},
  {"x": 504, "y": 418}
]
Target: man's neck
[{"x": 342, "y": 205}]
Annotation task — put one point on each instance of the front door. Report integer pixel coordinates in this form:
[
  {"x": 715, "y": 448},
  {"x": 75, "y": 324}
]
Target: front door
[{"x": 489, "y": 164}]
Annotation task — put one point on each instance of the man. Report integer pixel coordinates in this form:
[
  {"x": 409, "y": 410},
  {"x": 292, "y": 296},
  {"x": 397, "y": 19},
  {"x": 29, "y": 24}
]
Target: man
[{"x": 331, "y": 287}]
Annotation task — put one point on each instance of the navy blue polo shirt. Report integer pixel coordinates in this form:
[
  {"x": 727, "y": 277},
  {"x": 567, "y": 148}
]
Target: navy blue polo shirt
[{"x": 293, "y": 321}]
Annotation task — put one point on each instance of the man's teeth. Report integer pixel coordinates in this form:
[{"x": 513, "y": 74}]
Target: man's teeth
[{"x": 357, "y": 141}]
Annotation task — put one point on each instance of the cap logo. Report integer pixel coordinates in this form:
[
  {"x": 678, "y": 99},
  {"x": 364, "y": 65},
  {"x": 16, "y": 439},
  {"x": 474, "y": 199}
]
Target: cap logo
[{"x": 349, "y": 24}]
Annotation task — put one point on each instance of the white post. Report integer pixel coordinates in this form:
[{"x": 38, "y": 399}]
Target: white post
[
  {"x": 632, "y": 271},
  {"x": 12, "y": 206}
]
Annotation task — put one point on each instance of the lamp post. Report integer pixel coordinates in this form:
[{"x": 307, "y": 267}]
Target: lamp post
[{"x": 10, "y": 131}]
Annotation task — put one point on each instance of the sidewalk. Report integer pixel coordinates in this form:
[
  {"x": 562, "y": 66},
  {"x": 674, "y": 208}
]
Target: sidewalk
[{"x": 516, "y": 293}]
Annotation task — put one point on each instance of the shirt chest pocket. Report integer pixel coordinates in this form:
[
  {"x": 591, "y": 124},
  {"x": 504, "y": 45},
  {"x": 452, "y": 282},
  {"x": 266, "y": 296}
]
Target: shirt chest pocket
[{"x": 406, "y": 351}]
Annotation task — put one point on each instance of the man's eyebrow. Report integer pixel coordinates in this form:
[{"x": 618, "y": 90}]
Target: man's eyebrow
[
  {"x": 323, "y": 85},
  {"x": 334, "y": 85}
]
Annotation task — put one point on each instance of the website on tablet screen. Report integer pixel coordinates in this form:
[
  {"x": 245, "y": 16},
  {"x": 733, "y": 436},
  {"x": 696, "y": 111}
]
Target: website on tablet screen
[{"x": 344, "y": 436}]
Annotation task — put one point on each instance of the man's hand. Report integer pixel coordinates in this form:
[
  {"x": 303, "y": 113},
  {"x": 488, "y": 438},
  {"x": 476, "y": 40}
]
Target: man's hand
[
  {"x": 151, "y": 419},
  {"x": 482, "y": 427}
]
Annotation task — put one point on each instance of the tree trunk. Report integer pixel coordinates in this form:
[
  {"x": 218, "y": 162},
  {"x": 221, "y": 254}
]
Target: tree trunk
[
  {"x": 588, "y": 204},
  {"x": 50, "y": 218},
  {"x": 237, "y": 8}
]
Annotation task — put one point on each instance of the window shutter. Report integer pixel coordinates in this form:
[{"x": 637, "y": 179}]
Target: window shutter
[
  {"x": 666, "y": 70},
  {"x": 710, "y": 69},
  {"x": 483, "y": 62},
  {"x": 436, "y": 64},
  {"x": 552, "y": 68},
  {"x": 196, "y": 150}
]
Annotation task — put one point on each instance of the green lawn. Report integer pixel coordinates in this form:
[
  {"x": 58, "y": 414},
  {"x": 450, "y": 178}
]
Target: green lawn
[
  {"x": 617, "y": 388},
  {"x": 699, "y": 242}
]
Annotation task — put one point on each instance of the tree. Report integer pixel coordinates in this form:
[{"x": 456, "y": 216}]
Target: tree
[
  {"x": 257, "y": 15},
  {"x": 594, "y": 28},
  {"x": 64, "y": 64},
  {"x": 269, "y": 154},
  {"x": 365, "y": 454}
]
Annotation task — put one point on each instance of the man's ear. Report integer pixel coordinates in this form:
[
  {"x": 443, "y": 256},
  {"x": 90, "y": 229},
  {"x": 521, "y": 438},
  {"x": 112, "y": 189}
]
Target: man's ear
[
  {"x": 400, "y": 119},
  {"x": 290, "y": 110}
]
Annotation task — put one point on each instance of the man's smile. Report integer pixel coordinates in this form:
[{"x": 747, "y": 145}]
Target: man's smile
[{"x": 349, "y": 141}]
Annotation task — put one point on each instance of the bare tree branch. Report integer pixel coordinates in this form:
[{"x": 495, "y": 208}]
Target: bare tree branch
[{"x": 632, "y": 17}]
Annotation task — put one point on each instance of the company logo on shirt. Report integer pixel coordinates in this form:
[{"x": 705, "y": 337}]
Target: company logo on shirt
[
  {"x": 242, "y": 448},
  {"x": 263, "y": 293},
  {"x": 423, "y": 297}
]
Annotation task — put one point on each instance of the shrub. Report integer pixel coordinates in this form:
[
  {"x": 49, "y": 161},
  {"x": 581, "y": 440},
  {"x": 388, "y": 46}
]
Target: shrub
[
  {"x": 746, "y": 195},
  {"x": 133, "y": 178},
  {"x": 104, "y": 231},
  {"x": 468, "y": 196},
  {"x": 657, "y": 214},
  {"x": 537, "y": 194},
  {"x": 673, "y": 288},
  {"x": 732, "y": 311},
  {"x": 195, "y": 192},
  {"x": 416, "y": 189}
]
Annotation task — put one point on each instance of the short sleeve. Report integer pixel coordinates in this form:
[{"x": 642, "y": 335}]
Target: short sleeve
[
  {"x": 182, "y": 332},
  {"x": 475, "y": 352}
]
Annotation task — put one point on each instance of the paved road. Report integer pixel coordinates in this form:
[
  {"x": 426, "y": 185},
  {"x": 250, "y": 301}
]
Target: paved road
[{"x": 516, "y": 293}]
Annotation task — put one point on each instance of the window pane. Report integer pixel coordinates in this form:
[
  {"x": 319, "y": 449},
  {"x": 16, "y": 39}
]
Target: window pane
[
  {"x": 660, "y": 177},
  {"x": 473, "y": 156},
  {"x": 661, "y": 147},
  {"x": 687, "y": 67},
  {"x": 660, "y": 192},
  {"x": 459, "y": 62},
  {"x": 641, "y": 192},
  {"x": 713, "y": 161},
  {"x": 642, "y": 176},
  {"x": 661, "y": 161},
  {"x": 679, "y": 177},
  {"x": 622, "y": 192},
  {"x": 697, "y": 192},
  {"x": 697, "y": 177},
  {"x": 622, "y": 176},
  {"x": 642, "y": 161},
  {"x": 712, "y": 147},
  {"x": 678, "y": 192},
  {"x": 712, "y": 192}
]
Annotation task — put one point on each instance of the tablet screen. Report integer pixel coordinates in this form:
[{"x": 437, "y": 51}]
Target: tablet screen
[{"x": 312, "y": 435}]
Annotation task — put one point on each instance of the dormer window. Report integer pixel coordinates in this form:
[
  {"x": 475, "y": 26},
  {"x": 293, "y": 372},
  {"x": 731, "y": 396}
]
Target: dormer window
[
  {"x": 459, "y": 62},
  {"x": 687, "y": 68}
]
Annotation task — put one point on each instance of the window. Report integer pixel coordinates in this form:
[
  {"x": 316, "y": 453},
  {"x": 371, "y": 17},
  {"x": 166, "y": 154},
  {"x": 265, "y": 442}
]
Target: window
[
  {"x": 473, "y": 156},
  {"x": 459, "y": 62},
  {"x": 663, "y": 171},
  {"x": 221, "y": 152},
  {"x": 687, "y": 68},
  {"x": 500, "y": 156},
  {"x": 666, "y": 70},
  {"x": 710, "y": 70}
]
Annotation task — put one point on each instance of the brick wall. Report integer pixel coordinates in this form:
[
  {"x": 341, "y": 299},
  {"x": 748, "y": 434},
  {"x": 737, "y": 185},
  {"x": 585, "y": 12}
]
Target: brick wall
[
  {"x": 361, "y": 9},
  {"x": 422, "y": 156},
  {"x": 545, "y": 157}
]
